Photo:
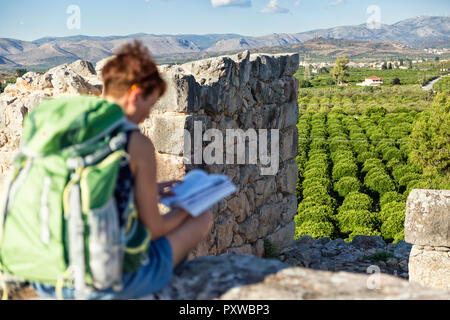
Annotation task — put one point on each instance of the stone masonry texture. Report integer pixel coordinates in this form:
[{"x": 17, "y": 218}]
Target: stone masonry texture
[{"x": 427, "y": 227}]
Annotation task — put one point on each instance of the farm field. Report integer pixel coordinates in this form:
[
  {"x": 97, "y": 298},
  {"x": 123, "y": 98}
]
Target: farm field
[
  {"x": 421, "y": 73},
  {"x": 358, "y": 99},
  {"x": 360, "y": 154}
]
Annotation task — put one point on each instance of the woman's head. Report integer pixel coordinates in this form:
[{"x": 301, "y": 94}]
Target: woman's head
[{"x": 132, "y": 79}]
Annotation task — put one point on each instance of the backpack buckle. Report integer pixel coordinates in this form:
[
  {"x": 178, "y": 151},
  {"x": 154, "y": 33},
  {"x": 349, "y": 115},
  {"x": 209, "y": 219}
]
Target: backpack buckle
[{"x": 75, "y": 163}]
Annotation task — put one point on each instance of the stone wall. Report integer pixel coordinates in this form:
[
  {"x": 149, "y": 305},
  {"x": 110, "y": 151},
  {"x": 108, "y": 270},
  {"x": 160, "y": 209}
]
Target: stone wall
[
  {"x": 29, "y": 91},
  {"x": 427, "y": 226},
  {"x": 234, "y": 92},
  {"x": 230, "y": 92}
]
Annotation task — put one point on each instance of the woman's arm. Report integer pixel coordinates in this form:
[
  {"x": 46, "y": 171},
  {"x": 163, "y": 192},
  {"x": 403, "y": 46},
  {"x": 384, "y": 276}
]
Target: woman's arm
[{"x": 143, "y": 166}]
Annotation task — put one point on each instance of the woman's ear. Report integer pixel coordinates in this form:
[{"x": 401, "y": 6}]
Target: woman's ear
[{"x": 132, "y": 97}]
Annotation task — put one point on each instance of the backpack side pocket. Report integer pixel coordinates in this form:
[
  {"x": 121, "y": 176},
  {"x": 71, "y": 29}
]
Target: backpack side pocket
[{"x": 105, "y": 245}]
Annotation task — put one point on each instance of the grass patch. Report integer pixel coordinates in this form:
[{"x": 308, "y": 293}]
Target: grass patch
[
  {"x": 379, "y": 256},
  {"x": 270, "y": 251}
]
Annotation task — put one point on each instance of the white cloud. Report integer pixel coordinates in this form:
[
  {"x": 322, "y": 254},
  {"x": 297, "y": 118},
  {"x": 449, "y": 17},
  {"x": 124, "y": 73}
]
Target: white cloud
[
  {"x": 337, "y": 2},
  {"x": 298, "y": 2},
  {"x": 274, "y": 7},
  {"x": 231, "y": 3}
]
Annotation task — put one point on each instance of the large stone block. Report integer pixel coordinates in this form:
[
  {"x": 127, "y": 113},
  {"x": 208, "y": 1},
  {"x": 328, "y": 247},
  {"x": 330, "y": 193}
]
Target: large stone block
[
  {"x": 245, "y": 249},
  {"x": 224, "y": 231},
  {"x": 289, "y": 114},
  {"x": 427, "y": 220},
  {"x": 271, "y": 66},
  {"x": 283, "y": 237},
  {"x": 288, "y": 143},
  {"x": 249, "y": 229},
  {"x": 287, "y": 177},
  {"x": 290, "y": 209},
  {"x": 182, "y": 95},
  {"x": 269, "y": 218},
  {"x": 430, "y": 267},
  {"x": 169, "y": 167},
  {"x": 167, "y": 131}
]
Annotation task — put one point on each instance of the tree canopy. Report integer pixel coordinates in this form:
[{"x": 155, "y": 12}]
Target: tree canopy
[{"x": 339, "y": 72}]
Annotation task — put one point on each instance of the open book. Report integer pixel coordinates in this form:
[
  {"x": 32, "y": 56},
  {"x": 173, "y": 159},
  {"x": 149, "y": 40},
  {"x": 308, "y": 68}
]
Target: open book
[{"x": 199, "y": 191}]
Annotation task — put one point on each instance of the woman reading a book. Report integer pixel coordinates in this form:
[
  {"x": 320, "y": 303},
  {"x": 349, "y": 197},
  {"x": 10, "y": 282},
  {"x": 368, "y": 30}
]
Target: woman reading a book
[{"x": 131, "y": 80}]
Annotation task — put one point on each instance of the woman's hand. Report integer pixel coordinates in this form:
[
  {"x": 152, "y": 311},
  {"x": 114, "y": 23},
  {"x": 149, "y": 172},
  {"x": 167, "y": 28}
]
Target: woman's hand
[{"x": 163, "y": 187}]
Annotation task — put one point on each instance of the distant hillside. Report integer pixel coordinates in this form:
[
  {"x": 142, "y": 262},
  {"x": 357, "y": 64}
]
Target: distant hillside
[
  {"x": 322, "y": 49},
  {"x": 334, "y": 48},
  {"x": 416, "y": 32}
]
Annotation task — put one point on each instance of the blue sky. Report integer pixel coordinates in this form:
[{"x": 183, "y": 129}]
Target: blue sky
[{"x": 33, "y": 19}]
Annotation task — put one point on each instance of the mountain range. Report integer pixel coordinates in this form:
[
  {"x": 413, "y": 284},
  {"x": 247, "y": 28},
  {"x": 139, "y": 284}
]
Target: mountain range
[{"x": 418, "y": 32}]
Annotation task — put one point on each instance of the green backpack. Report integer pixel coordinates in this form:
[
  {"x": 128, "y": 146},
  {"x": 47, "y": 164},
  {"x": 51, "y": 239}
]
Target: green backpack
[{"x": 59, "y": 219}]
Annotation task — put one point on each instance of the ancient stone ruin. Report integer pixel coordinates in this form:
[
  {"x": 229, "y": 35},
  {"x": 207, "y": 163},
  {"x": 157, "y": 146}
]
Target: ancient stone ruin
[
  {"x": 427, "y": 226},
  {"x": 238, "y": 92}
]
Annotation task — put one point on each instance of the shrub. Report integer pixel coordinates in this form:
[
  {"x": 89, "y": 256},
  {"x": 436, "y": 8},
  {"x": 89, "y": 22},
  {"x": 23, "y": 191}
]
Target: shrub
[
  {"x": 391, "y": 209},
  {"x": 317, "y": 164},
  {"x": 313, "y": 190},
  {"x": 304, "y": 84},
  {"x": 393, "y": 224},
  {"x": 355, "y": 201},
  {"x": 389, "y": 197},
  {"x": 399, "y": 171},
  {"x": 428, "y": 142},
  {"x": 371, "y": 163},
  {"x": 317, "y": 155},
  {"x": 315, "y": 173},
  {"x": 361, "y": 146},
  {"x": 407, "y": 178},
  {"x": 339, "y": 145},
  {"x": 316, "y": 200},
  {"x": 400, "y": 236},
  {"x": 393, "y": 163},
  {"x": 400, "y": 131},
  {"x": 392, "y": 153},
  {"x": 346, "y": 185},
  {"x": 314, "y": 229},
  {"x": 327, "y": 82},
  {"x": 366, "y": 155},
  {"x": 318, "y": 145},
  {"x": 341, "y": 155},
  {"x": 350, "y": 220},
  {"x": 383, "y": 147},
  {"x": 379, "y": 181},
  {"x": 310, "y": 182},
  {"x": 381, "y": 255},
  {"x": 316, "y": 213},
  {"x": 375, "y": 112},
  {"x": 344, "y": 169},
  {"x": 396, "y": 81}
]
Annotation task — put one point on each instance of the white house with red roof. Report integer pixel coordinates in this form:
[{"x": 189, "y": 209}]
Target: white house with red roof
[{"x": 371, "y": 81}]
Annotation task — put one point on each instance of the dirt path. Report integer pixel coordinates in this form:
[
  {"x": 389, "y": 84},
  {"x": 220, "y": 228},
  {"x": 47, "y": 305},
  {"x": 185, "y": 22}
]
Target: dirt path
[{"x": 430, "y": 84}]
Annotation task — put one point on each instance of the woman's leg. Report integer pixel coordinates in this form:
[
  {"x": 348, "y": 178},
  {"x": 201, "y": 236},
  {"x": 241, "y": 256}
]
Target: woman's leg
[{"x": 188, "y": 235}]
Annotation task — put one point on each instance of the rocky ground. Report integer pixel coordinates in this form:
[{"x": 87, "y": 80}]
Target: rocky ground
[{"x": 363, "y": 255}]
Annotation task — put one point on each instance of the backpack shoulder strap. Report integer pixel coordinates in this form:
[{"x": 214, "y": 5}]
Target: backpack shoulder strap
[{"x": 129, "y": 126}]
